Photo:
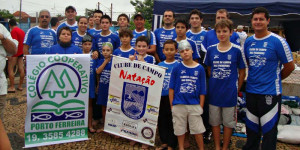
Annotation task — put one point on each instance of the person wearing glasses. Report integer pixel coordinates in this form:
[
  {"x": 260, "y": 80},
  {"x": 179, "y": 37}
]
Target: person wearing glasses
[{"x": 39, "y": 39}]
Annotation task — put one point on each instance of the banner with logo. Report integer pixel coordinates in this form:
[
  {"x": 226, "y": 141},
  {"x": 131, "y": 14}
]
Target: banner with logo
[
  {"x": 57, "y": 99},
  {"x": 133, "y": 101}
]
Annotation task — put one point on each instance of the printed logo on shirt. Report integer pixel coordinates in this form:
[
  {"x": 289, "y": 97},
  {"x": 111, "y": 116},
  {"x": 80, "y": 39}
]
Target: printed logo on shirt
[
  {"x": 229, "y": 57},
  {"x": 183, "y": 71},
  {"x": 201, "y": 38},
  {"x": 257, "y": 60},
  {"x": 221, "y": 73},
  {"x": 187, "y": 87},
  {"x": 265, "y": 44},
  {"x": 196, "y": 73},
  {"x": 41, "y": 32},
  {"x": 253, "y": 43},
  {"x": 216, "y": 56},
  {"x": 268, "y": 99}
]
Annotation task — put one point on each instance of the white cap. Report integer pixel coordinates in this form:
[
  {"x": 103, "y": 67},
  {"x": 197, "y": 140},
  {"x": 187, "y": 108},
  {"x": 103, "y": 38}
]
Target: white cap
[{"x": 183, "y": 45}]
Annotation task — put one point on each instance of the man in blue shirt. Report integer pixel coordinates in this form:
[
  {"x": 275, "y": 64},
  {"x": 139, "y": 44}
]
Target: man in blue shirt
[
  {"x": 40, "y": 38},
  {"x": 211, "y": 36},
  {"x": 71, "y": 22},
  {"x": 167, "y": 32},
  {"x": 196, "y": 33},
  {"x": 139, "y": 22},
  {"x": 265, "y": 53}
]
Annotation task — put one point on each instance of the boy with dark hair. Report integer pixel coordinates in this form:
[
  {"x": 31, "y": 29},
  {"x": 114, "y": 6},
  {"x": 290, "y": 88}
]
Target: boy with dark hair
[
  {"x": 197, "y": 33},
  {"x": 165, "y": 124},
  {"x": 187, "y": 93},
  {"x": 125, "y": 50},
  {"x": 123, "y": 21},
  {"x": 97, "y": 14},
  {"x": 265, "y": 53},
  {"x": 141, "y": 46},
  {"x": 105, "y": 36},
  {"x": 181, "y": 27},
  {"x": 54, "y": 23},
  {"x": 226, "y": 76}
]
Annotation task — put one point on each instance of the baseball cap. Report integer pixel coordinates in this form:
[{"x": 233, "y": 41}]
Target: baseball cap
[
  {"x": 70, "y": 7},
  {"x": 139, "y": 14},
  {"x": 183, "y": 45}
]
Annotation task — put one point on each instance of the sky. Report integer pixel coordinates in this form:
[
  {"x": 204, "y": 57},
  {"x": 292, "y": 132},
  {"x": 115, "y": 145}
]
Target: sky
[{"x": 58, "y": 6}]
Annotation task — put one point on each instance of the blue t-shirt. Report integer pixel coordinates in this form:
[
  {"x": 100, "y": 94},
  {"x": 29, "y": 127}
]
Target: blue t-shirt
[
  {"x": 198, "y": 38},
  {"x": 211, "y": 39},
  {"x": 104, "y": 83},
  {"x": 93, "y": 32},
  {"x": 170, "y": 66},
  {"x": 162, "y": 35},
  {"x": 265, "y": 57},
  {"x": 148, "y": 59},
  {"x": 92, "y": 78},
  {"x": 123, "y": 53},
  {"x": 188, "y": 84},
  {"x": 223, "y": 81},
  {"x": 77, "y": 39},
  {"x": 64, "y": 24},
  {"x": 142, "y": 33},
  {"x": 100, "y": 39},
  {"x": 196, "y": 54},
  {"x": 40, "y": 40},
  {"x": 57, "y": 49}
]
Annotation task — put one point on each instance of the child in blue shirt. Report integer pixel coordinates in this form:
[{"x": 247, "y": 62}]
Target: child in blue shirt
[
  {"x": 187, "y": 93},
  {"x": 165, "y": 124},
  {"x": 105, "y": 36},
  {"x": 141, "y": 47},
  {"x": 226, "y": 65},
  {"x": 103, "y": 69},
  {"x": 86, "y": 49},
  {"x": 125, "y": 50}
]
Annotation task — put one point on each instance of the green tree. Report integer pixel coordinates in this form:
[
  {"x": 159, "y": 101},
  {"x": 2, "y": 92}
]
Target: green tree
[
  {"x": 6, "y": 14},
  {"x": 145, "y": 7}
]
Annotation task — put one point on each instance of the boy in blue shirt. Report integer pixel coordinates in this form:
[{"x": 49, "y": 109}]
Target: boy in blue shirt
[
  {"x": 226, "y": 67},
  {"x": 165, "y": 124},
  {"x": 187, "y": 93},
  {"x": 141, "y": 46},
  {"x": 125, "y": 50},
  {"x": 181, "y": 27},
  {"x": 86, "y": 49},
  {"x": 105, "y": 36}
]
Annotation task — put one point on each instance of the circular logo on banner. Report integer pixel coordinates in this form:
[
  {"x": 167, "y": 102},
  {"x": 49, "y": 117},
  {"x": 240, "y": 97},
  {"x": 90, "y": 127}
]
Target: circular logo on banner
[{"x": 147, "y": 133}]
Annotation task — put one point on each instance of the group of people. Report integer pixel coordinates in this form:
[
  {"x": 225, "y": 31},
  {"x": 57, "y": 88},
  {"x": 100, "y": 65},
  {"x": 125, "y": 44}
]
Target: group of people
[{"x": 205, "y": 69}]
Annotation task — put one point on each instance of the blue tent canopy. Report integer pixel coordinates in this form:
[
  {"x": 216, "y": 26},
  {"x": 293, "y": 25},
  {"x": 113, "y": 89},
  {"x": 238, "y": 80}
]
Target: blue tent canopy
[{"x": 275, "y": 7}]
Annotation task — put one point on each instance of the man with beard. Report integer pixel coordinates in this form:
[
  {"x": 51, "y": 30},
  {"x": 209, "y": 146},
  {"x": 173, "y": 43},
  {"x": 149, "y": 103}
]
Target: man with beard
[
  {"x": 167, "y": 32},
  {"x": 40, "y": 38}
]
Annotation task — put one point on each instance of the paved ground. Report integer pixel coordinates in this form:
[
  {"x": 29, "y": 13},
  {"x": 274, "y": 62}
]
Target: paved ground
[{"x": 15, "y": 118}]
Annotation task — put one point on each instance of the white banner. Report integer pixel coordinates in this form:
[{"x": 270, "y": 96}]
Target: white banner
[
  {"x": 134, "y": 98},
  {"x": 57, "y": 99}
]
